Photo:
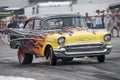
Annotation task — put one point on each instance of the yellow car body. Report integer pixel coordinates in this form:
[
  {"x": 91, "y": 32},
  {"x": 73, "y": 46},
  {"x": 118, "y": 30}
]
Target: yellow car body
[
  {"x": 59, "y": 42},
  {"x": 79, "y": 37}
]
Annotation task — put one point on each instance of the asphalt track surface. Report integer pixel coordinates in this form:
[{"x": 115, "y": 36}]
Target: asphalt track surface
[{"x": 78, "y": 69}]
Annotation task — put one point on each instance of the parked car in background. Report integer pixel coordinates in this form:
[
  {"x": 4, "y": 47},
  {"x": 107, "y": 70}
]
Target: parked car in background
[{"x": 59, "y": 36}]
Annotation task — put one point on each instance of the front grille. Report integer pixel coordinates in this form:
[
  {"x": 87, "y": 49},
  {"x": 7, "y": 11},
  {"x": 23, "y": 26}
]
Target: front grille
[{"x": 84, "y": 47}]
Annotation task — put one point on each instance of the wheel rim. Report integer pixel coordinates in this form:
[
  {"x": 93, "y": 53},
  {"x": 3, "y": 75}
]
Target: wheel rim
[
  {"x": 20, "y": 55},
  {"x": 51, "y": 57}
]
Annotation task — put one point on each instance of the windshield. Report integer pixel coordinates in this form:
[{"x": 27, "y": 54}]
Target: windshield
[{"x": 64, "y": 22}]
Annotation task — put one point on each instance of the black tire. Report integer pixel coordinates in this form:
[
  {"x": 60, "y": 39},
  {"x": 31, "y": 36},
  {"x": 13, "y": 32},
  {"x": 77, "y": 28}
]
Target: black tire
[
  {"x": 67, "y": 59},
  {"x": 101, "y": 58},
  {"x": 24, "y": 58},
  {"x": 52, "y": 57}
]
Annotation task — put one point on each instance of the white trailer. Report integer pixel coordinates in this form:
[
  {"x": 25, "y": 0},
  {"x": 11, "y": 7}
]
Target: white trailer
[{"x": 49, "y": 7}]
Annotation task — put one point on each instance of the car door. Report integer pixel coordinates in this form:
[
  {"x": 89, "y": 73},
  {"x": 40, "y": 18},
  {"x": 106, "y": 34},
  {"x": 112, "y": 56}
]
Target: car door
[
  {"x": 39, "y": 38},
  {"x": 32, "y": 30}
]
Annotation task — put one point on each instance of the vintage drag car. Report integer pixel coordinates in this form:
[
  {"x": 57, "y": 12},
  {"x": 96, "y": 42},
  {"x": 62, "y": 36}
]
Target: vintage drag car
[{"x": 59, "y": 36}]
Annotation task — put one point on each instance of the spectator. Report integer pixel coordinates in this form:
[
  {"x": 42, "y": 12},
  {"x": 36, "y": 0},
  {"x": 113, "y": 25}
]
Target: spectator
[
  {"x": 98, "y": 20},
  {"x": 117, "y": 14},
  {"x": 113, "y": 24},
  {"x": 93, "y": 22},
  {"x": 106, "y": 20},
  {"x": 16, "y": 20},
  {"x": 2, "y": 31},
  {"x": 22, "y": 21},
  {"x": 1, "y": 35},
  {"x": 88, "y": 20},
  {"x": 11, "y": 24},
  {"x": 103, "y": 16}
]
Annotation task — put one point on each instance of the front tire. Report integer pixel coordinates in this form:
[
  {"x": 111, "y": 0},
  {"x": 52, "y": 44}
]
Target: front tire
[
  {"x": 24, "y": 58},
  {"x": 101, "y": 58},
  {"x": 52, "y": 57}
]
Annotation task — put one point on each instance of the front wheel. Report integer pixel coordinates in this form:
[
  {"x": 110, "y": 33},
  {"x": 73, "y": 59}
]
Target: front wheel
[
  {"x": 101, "y": 58},
  {"x": 52, "y": 57},
  {"x": 24, "y": 58}
]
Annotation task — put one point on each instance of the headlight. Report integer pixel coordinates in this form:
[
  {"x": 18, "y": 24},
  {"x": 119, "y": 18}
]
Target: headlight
[
  {"x": 61, "y": 40},
  {"x": 107, "y": 37}
]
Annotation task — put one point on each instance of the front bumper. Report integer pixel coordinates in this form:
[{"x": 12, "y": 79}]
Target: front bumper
[{"x": 78, "y": 52}]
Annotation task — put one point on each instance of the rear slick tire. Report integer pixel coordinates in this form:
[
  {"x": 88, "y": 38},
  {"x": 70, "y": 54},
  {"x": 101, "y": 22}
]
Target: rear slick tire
[{"x": 24, "y": 58}]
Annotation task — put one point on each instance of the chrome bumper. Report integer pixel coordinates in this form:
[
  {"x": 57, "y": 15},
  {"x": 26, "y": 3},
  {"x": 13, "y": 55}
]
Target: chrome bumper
[{"x": 62, "y": 52}]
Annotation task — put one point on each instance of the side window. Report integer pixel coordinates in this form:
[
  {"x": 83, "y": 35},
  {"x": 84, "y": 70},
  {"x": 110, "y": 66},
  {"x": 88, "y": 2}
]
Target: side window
[
  {"x": 53, "y": 24},
  {"x": 37, "y": 24},
  {"x": 29, "y": 25}
]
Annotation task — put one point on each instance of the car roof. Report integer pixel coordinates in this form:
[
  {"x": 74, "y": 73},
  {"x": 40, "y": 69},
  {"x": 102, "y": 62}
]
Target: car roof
[{"x": 54, "y": 15}]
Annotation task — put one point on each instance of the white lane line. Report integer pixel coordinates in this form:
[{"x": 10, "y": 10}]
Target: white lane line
[{"x": 14, "y": 78}]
